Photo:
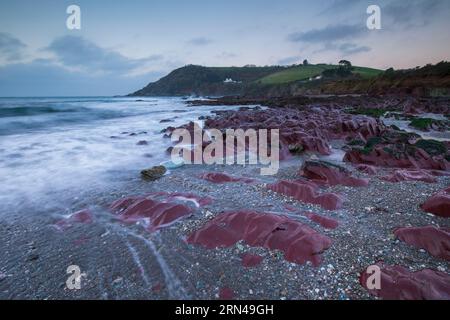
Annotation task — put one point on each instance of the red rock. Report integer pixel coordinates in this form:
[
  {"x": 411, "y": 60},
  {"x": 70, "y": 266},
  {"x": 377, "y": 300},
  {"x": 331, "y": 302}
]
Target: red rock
[
  {"x": 324, "y": 173},
  {"x": 217, "y": 177},
  {"x": 184, "y": 197},
  {"x": 157, "y": 287},
  {"x": 398, "y": 283},
  {"x": 325, "y": 222},
  {"x": 152, "y": 212},
  {"x": 371, "y": 170},
  {"x": 439, "y": 204},
  {"x": 434, "y": 240},
  {"x": 307, "y": 192},
  {"x": 83, "y": 217},
  {"x": 226, "y": 294},
  {"x": 381, "y": 158},
  {"x": 410, "y": 175},
  {"x": 251, "y": 260},
  {"x": 298, "y": 242}
]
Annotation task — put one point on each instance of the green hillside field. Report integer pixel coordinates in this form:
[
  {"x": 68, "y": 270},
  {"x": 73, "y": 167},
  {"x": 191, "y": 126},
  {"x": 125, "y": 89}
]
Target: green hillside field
[{"x": 300, "y": 73}]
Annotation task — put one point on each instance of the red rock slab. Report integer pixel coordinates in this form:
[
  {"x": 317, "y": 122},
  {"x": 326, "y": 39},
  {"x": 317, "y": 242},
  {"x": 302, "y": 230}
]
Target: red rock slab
[
  {"x": 410, "y": 175},
  {"x": 226, "y": 294},
  {"x": 217, "y": 177},
  {"x": 439, "y": 204},
  {"x": 327, "y": 174},
  {"x": 370, "y": 170},
  {"x": 440, "y": 173},
  {"x": 184, "y": 197},
  {"x": 154, "y": 213},
  {"x": 298, "y": 242},
  {"x": 251, "y": 260},
  {"x": 83, "y": 217},
  {"x": 380, "y": 158},
  {"x": 398, "y": 283},
  {"x": 325, "y": 222},
  {"x": 308, "y": 193},
  {"x": 434, "y": 240}
]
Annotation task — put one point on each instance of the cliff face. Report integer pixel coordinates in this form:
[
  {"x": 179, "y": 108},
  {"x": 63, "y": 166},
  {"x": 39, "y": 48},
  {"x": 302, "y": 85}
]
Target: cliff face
[{"x": 212, "y": 81}]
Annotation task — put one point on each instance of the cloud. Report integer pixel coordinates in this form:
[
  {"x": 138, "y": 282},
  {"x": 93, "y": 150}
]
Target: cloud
[
  {"x": 226, "y": 55},
  {"x": 288, "y": 60},
  {"x": 333, "y": 38},
  {"x": 200, "y": 41},
  {"x": 74, "y": 51},
  {"x": 11, "y": 49},
  {"x": 44, "y": 78},
  {"x": 413, "y": 13},
  {"x": 348, "y": 49},
  {"x": 331, "y": 33},
  {"x": 396, "y": 13},
  {"x": 338, "y": 6}
]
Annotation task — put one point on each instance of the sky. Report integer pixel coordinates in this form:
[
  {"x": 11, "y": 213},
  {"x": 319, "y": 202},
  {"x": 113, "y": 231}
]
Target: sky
[{"x": 124, "y": 45}]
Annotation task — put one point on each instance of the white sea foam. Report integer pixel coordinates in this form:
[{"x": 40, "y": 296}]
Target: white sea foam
[{"x": 61, "y": 159}]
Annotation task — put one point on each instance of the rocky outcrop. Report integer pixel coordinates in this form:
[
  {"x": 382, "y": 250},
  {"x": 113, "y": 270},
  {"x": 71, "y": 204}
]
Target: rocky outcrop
[{"x": 400, "y": 150}]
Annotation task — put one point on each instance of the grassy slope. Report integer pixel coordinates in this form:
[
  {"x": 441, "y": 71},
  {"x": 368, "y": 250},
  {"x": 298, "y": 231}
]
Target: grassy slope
[{"x": 305, "y": 72}]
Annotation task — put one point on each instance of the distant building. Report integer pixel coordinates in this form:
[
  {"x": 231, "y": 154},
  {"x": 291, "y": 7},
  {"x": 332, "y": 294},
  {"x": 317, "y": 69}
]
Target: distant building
[{"x": 229, "y": 80}]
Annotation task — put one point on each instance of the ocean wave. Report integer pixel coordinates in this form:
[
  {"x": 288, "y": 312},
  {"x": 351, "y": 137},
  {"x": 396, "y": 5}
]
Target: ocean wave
[{"x": 34, "y": 111}]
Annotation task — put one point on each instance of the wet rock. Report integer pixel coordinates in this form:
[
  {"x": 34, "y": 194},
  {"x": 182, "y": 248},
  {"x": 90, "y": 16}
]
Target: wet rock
[
  {"x": 308, "y": 192},
  {"x": 32, "y": 257},
  {"x": 410, "y": 175},
  {"x": 142, "y": 143},
  {"x": 217, "y": 177},
  {"x": 298, "y": 242},
  {"x": 434, "y": 240},
  {"x": 226, "y": 294},
  {"x": 401, "y": 150},
  {"x": 325, "y": 173},
  {"x": 398, "y": 283},
  {"x": 82, "y": 217},
  {"x": 439, "y": 204},
  {"x": 152, "y": 213},
  {"x": 186, "y": 197},
  {"x": 153, "y": 173},
  {"x": 251, "y": 260},
  {"x": 325, "y": 222},
  {"x": 370, "y": 170}
]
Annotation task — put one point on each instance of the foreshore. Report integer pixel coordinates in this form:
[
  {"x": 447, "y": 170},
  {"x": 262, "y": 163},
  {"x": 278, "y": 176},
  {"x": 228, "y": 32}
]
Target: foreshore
[{"x": 186, "y": 250}]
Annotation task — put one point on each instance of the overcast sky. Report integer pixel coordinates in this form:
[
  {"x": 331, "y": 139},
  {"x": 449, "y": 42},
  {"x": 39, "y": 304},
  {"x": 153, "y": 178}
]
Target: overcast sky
[{"x": 123, "y": 45}]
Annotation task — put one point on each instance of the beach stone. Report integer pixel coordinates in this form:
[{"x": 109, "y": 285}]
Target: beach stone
[{"x": 153, "y": 173}]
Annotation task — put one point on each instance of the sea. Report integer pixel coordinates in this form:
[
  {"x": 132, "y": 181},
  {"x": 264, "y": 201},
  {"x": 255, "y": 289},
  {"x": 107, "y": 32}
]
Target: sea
[{"x": 54, "y": 150}]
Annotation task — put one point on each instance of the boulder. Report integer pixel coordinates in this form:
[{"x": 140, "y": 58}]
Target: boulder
[{"x": 153, "y": 173}]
